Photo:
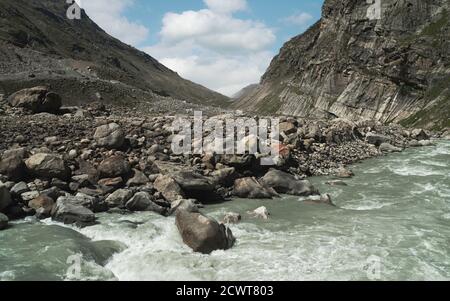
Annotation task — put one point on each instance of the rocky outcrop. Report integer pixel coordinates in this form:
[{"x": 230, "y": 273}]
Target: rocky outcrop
[
  {"x": 393, "y": 67},
  {"x": 203, "y": 234}
]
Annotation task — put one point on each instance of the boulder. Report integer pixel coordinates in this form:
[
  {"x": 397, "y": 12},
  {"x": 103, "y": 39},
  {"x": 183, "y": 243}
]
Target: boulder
[
  {"x": 250, "y": 188},
  {"x": 389, "y": 148},
  {"x": 119, "y": 198},
  {"x": 19, "y": 188},
  {"x": 169, "y": 188},
  {"x": 36, "y": 100},
  {"x": 377, "y": 139},
  {"x": 43, "y": 205},
  {"x": 225, "y": 177},
  {"x": 138, "y": 179},
  {"x": 190, "y": 181},
  {"x": 12, "y": 167},
  {"x": 48, "y": 166},
  {"x": 286, "y": 183},
  {"x": 287, "y": 128},
  {"x": 191, "y": 205},
  {"x": 260, "y": 212},
  {"x": 114, "y": 166},
  {"x": 68, "y": 212},
  {"x": 426, "y": 143},
  {"x": 5, "y": 197},
  {"x": 232, "y": 218},
  {"x": 419, "y": 134},
  {"x": 3, "y": 221},
  {"x": 142, "y": 201},
  {"x": 110, "y": 136},
  {"x": 336, "y": 183},
  {"x": 90, "y": 202},
  {"x": 344, "y": 173},
  {"x": 203, "y": 234}
]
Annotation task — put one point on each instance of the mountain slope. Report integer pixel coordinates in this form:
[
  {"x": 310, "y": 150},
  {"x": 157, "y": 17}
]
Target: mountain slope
[
  {"x": 396, "y": 69},
  {"x": 40, "y": 45}
]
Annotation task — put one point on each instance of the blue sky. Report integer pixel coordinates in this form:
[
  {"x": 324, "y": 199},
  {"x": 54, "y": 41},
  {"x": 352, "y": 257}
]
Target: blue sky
[{"x": 222, "y": 44}]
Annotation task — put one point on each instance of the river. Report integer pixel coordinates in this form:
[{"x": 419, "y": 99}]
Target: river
[{"x": 392, "y": 222}]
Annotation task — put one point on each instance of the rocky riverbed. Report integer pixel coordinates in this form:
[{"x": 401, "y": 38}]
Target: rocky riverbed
[{"x": 72, "y": 163}]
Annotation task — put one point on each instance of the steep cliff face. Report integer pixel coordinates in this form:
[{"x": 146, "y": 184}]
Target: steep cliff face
[
  {"x": 393, "y": 69},
  {"x": 39, "y": 45}
]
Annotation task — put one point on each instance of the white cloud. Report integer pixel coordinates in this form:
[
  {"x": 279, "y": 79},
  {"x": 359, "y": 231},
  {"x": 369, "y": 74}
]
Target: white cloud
[
  {"x": 108, "y": 14},
  {"x": 213, "y": 47},
  {"x": 300, "y": 19}
]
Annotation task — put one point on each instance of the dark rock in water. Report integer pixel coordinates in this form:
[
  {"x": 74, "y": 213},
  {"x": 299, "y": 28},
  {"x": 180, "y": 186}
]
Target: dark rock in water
[
  {"x": 43, "y": 205},
  {"x": 377, "y": 139},
  {"x": 48, "y": 166},
  {"x": 3, "y": 221},
  {"x": 285, "y": 183},
  {"x": 225, "y": 176},
  {"x": 119, "y": 198},
  {"x": 419, "y": 134},
  {"x": 36, "y": 100},
  {"x": 389, "y": 148},
  {"x": 142, "y": 201},
  {"x": 203, "y": 234},
  {"x": 232, "y": 218},
  {"x": 5, "y": 197},
  {"x": 169, "y": 188},
  {"x": 250, "y": 188},
  {"x": 69, "y": 212},
  {"x": 109, "y": 136},
  {"x": 114, "y": 166},
  {"x": 13, "y": 167}
]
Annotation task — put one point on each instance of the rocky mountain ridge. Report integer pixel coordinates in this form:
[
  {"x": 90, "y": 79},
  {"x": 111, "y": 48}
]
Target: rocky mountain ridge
[{"x": 395, "y": 69}]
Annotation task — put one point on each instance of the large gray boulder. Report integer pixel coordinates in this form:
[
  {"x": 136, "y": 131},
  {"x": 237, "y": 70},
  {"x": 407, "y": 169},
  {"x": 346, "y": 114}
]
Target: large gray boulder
[
  {"x": 109, "y": 136},
  {"x": 190, "y": 181},
  {"x": 285, "y": 183},
  {"x": 250, "y": 188},
  {"x": 43, "y": 205},
  {"x": 3, "y": 221},
  {"x": 119, "y": 198},
  {"x": 142, "y": 201},
  {"x": 69, "y": 212},
  {"x": 203, "y": 234},
  {"x": 389, "y": 148},
  {"x": 37, "y": 100},
  {"x": 5, "y": 197},
  {"x": 48, "y": 166}
]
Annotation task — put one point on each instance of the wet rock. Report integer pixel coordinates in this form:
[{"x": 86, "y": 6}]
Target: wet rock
[
  {"x": 68, "y": 212},
  {"x": 225, "y": 176},
  {"x": 109, "y": 136},
  {"x": 138, "y": 179},
  {"x": 169, "y": 188},
  {"x": 203, "y": 234},
  {"x": 321, "y": 199},
  {"x": 3, "y": 221},
  {"x": 377, "y": 139},
  {"x": 36, "y": 100},
  {"x": 43, "y": 205},
  {"x": 344, "y": 173},
  {"x": 389, "y": 148},
  {"x": 191, "y": 205},
  {"x": 232, "y": 218},
  {"x": 426, "y": 143},
  {"x": 336, "y": 183},
  {"x": 190, "y": 181},
  {"x": 5, "y": 197},
  {"x": 260, "y": 212},
  {"x": 119, "y": 198},
  {"x": 48, "y": 166},
  {"x": 114, "y": 166},
  {"x": 250, "y": 188},
  {"x": 142, "y": 201},
  {"x": 285, "y": 183}
]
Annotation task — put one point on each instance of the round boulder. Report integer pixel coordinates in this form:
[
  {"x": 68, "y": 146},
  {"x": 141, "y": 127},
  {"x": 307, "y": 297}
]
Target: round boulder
[
  {"x": 114, "y": 166},
  {"x": 109, "y": 136},
  {"x": 48, "y": 166},
  {"x": 37, "y": 100}
]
